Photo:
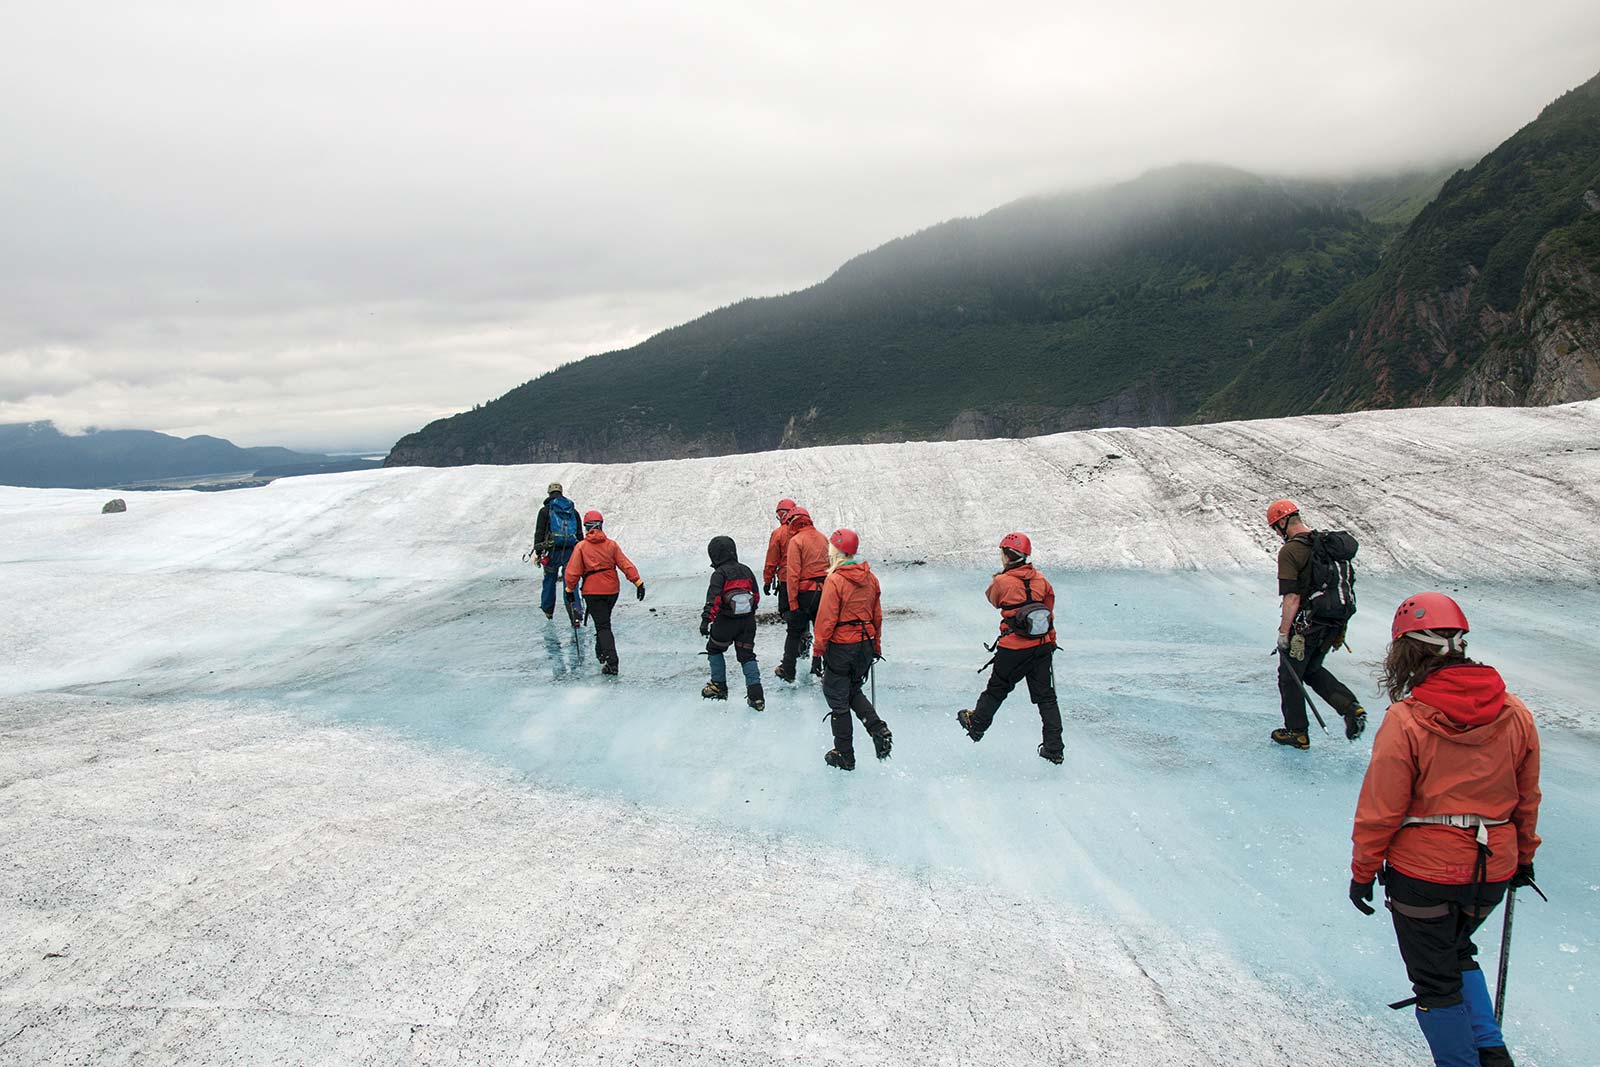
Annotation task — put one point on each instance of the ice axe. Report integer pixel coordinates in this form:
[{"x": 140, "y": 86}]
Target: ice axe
[{"x": 1309, "y": 702}]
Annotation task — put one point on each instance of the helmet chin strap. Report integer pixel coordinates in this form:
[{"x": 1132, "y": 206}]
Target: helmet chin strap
[{"x": 1456, "y": 642}]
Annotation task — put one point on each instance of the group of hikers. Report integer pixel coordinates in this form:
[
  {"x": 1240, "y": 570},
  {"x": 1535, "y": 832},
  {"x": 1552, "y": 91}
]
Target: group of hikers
[{"x": 1448, "y": 810}]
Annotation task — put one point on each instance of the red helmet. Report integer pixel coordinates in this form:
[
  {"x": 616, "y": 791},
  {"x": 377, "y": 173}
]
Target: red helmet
[
  {"x": 1428, "y": 612},
  {"x": 1018, "y": 543},
  {"x": 795, "y": 512},
  {"x": 592, "y": 519},
  {"x": 845, "y": 540},
  {"x": 785, "y": 506},
  {"x": 1279, "y": 510}
]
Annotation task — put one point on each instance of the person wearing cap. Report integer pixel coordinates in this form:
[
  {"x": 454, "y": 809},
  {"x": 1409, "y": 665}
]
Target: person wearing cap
[
  {"x": 1304, "y": 640},
  {"x": 848, "y": 639},
  {"x": 805, "y": 569},
  {"x": 594, "y": 566},
  {"x": 1447, "y": 819},
  {"x": 1025, "y": 648},
  {"x": 777, "y": 558},
  {"x": 555, "y": 533}
]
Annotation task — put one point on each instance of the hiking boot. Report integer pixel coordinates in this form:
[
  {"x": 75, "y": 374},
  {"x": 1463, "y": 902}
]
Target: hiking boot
[
  {"x": 845, "y": 761},
  {"x": 1355, "y": 722},
  {"x": 1495, "y": 1056},
  {"x": 785, "y": 674},
  {"x": 1292, "y": 738},
  {"x": 816, "y": 666},
  {"x": 549, "y": 613},
  {"x": 755, "y": 698},
  {"x": 964, "y": 717},
  {"x": 609, "y": 668},
  {"x": 882, "y": 739},
  {"x": 1054, "y": 756},
  {"x": 715, "y": 691}
]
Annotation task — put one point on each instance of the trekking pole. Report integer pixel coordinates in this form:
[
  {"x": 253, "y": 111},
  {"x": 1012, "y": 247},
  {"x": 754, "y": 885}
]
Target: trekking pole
[{"x": 1309, "y": 702}]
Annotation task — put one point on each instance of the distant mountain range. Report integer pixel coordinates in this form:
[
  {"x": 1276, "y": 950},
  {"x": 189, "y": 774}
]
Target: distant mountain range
[
  {"x": 37, "y": 454},
  {"x": 1191, "y": 293}
]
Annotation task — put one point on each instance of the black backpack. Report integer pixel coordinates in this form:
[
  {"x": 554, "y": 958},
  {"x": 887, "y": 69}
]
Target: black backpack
[{"x": 1331, "y": 596}]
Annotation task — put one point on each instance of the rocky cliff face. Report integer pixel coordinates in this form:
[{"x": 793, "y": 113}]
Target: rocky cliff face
[{"x": 1548, "y": 352}]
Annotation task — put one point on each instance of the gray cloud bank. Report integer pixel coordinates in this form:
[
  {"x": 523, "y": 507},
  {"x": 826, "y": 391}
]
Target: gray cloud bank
[{"x": 324, "y": 225}]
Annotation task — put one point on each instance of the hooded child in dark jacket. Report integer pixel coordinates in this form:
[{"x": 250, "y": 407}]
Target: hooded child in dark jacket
[{"x": 729, "y": 620}]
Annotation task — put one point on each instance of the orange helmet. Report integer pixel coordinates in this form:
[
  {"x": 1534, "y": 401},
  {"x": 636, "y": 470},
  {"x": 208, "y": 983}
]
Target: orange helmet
[{"x": 1279, "y": 510}]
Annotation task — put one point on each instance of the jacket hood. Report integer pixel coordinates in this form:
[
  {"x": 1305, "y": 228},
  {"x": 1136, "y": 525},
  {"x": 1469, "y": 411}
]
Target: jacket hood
[
  {"x": 1021, "y": 570},
  {"x": 799, "y": 522},
  {"x": 1461, "y": 699},
  {"x": 722, "y": 550},
  {"x": 596, "y": 536},
  {"x": 855, "y": 572}
]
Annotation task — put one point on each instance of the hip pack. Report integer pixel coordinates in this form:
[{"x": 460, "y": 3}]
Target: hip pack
[{"x": 1030, "y": 618}]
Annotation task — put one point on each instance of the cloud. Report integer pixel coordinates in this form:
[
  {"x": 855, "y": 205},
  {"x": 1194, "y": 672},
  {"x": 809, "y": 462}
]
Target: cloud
[{"x": 323, "y": 220}]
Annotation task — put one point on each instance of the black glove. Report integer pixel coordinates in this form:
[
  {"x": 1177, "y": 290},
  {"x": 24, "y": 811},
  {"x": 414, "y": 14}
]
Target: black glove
[
  {"x": 766, "y": 587},
  {"x": 640, "y": 587},
  {"x": 705, "y": 628},
  {"x": 1361, "y": 896},
  {"x": 1523, "y": 877}
]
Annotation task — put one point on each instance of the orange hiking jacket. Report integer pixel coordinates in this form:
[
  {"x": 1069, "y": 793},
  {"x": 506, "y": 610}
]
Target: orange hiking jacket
[
  {"x": 595, "y": 562},
  {"x": 777, "y": 553},
  {"x": 807, "y": 559},
  {"x": 1458, "y": 745},
  {"x": 851, "y": 609},
  {"x": 1008, "y": 592}
]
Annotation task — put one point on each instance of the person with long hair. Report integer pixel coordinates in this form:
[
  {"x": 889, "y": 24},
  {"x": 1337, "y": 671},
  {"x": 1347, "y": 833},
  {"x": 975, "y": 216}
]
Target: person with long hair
[{"x": 1447, "y": 820}]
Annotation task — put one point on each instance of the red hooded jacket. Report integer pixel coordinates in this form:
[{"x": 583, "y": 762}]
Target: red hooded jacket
[
  {"x": 595, "y": 563},
  {"x": 851, "y": 609},
  {"x": 1458, "y": 745},
  {"x": 807, "y": 559},
  {"x": 1010, "y": 590}
]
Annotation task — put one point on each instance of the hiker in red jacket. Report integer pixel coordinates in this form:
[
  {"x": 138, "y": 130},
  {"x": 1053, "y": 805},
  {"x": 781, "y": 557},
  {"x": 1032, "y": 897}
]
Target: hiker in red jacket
[
  {"x": 1025, "y": 649},
  {"x": 1447, "y": 819},
  {"x": 849, "y": 639},
  {"x": 805, "y": 568},
  {"x": 594, "y": 565},
  {"x": 772, "y": 574}
]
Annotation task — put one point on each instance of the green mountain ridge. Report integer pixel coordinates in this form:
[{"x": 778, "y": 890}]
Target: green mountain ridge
[
  {"x": 1459, "y": 311},
  {"x": 1194, "y": 292}
]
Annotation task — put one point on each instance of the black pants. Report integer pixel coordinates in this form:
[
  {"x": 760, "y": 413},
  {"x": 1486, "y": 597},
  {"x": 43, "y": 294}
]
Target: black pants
[
  {"x": 600, "y": 607},
  {"x": 1320, "y": 639},
  {"x": 1012, "y": 665},
  {"x": 799, "y": 625},
  {"x": 1434, "y": 925},
  {"x": 845, "y": 671},
  {"x": 782, "y": 593}
]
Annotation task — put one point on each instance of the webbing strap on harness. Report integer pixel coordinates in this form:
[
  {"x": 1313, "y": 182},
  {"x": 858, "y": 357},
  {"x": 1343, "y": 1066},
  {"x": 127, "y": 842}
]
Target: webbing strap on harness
[{"x": 1476, "y": 823}]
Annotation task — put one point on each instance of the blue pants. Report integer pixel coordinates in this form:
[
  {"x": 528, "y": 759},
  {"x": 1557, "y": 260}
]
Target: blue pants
[{"x": 555, "y": 567}]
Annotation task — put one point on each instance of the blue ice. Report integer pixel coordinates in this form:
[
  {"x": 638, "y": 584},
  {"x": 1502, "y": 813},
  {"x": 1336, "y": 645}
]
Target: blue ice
[{"x": 1172, "y": 806}]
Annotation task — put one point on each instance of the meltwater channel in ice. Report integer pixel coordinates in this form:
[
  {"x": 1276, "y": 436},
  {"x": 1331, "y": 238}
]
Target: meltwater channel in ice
[{"x": 1172, "y": 806}]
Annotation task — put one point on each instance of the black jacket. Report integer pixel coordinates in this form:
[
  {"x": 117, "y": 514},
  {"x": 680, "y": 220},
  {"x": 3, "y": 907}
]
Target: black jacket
[{"x": 726, "y": 568}]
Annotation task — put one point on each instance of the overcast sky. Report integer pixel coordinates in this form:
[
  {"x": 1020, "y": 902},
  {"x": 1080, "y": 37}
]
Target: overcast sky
[{"x": 324, "y": 224}]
